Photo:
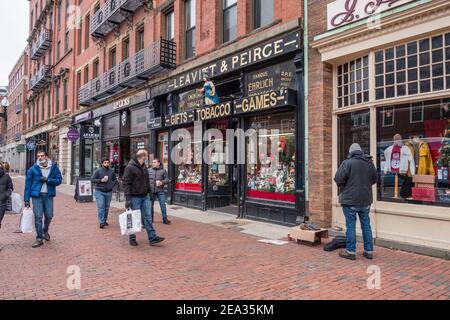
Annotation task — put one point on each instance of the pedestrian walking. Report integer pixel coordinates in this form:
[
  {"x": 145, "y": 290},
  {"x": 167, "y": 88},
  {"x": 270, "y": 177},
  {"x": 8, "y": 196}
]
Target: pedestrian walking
[
  {"x": 104, "y": 179},
  {"x": 40, "y": 185},
  {"x": 355, "y": 177},
  {"x": 136, "y": 185},
  {"x": 6, "y": 188},
  {"x": 6, "y": 166},
  {"x": 158, "y": 180}
]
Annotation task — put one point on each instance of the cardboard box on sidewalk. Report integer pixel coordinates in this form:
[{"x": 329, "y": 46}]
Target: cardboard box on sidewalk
[{"x": 311, "y": 237}]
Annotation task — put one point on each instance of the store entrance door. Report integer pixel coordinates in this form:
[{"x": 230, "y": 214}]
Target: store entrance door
[{"x": 219, "y": 170}]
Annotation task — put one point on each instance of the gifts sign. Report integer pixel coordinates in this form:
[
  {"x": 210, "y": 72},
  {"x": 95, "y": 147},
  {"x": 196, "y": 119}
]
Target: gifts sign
[{"x": 343, "y": 12}]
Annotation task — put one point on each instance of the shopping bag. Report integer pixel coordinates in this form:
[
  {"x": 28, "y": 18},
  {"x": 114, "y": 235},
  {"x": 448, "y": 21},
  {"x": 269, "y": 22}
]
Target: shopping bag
[
  {"x": 130, "y": 222},
  {"x": 16, "y": 203},
  {"x": 26, "y": 222}
]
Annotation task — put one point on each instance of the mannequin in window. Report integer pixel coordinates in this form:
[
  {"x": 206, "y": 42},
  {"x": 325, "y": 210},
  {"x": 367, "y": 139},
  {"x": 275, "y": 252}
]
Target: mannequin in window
[{"x": 400, "y": 161}]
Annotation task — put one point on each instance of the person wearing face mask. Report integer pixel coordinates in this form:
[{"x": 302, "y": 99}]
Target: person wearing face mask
[
  {"x": 40, "y": 185},
  {"x": 104, "y": 179},
  {"x": 137, "y": 195}
]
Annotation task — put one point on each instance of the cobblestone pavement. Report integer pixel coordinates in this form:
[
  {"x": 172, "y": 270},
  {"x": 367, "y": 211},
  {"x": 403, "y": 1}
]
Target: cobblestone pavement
[{"x": 197, "y": 261}]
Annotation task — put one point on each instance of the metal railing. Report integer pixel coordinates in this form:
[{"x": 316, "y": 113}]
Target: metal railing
[
  {"x": 40, "y": 78},
  {"x": 42, "y": 44},
  {"x": 156, "y": 57},
  {"x": 112, "y": 13}
]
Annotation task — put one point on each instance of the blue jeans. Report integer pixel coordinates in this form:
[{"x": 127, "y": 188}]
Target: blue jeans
[
  {"x": 103, "y": 200},
  {"x": 42, "y": 208},
  {"x": 161, "y": 195},
  {"x": 350, "y": 221},
  {"x": 143, "y": 204}
]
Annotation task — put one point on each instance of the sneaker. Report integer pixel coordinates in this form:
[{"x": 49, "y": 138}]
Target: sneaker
[
  {"x": 344, "y": 254},
  {"x": 167, "y": 221},
  {"x": 37, "y": 244},
  {"x": 102, "y": 225},
  {"x": 133, "y": 243},
  {"x": 368, "y": 255},
  {"x": 46, "y": 236},
  {"x": 156, "y": 240}
]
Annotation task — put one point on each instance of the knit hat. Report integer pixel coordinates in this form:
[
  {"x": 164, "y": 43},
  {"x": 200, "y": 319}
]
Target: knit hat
[{"x": 354, "y": 147}]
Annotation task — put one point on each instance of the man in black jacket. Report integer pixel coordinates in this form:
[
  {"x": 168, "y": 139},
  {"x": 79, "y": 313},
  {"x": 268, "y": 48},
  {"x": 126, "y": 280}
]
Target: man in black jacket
[
  {"x": 6, "y": 188},
  {"x": 137, "y": 189},
  {"x": 104, "y": 179},
  {"x": 355, "y": 177},
  {"x": 158, "y": 180}
]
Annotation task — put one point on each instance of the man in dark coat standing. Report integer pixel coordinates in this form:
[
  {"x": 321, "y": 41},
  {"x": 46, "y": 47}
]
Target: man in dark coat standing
[
  {"x": 355, "y": 177},
  {"x": 6, "y": 188},
  {"x": 137, "y": 194},
  {"x": 158, "y": 180}
]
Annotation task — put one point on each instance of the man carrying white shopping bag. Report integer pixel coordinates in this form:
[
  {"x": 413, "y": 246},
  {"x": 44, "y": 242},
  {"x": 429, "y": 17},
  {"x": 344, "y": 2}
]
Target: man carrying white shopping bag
[
  {"x": 137, "y": 189},
  {"x": 6, "y": 188},
  {"x": 40, "y": 185}
]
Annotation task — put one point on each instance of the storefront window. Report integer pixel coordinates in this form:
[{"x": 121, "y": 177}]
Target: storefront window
[
  {"x": 353, "y": 127},
  {"x": 96, "y": 161},
  {"x": 267, "y": 179},
  {"x": 414, "y": 153},
  {"x": 218, "y": 171},
  {"x": 163, "y": 149},
  {"x": 188, "y": 174},
  {"x": 416, "y": 67},
  {"x": 76, "y": 158}
]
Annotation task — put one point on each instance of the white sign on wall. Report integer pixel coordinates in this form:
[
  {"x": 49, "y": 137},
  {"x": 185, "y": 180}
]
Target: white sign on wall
[{"x": 342, "y": 12}]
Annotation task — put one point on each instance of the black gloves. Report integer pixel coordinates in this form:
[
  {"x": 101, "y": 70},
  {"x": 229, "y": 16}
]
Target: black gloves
[
  {"x": 27, "y": 204},
  {"x": 127, "y": 204},
  {"x": 43, "y": 179}
]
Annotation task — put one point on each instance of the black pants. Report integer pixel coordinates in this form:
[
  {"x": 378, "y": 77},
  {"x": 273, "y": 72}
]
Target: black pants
[
  {"x": 2, "y": 212},
  {"x": 407, "y": 185}
]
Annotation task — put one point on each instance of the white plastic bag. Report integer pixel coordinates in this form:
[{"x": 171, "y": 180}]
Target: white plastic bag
[
  {"x": 130, "y": 222},
  {"x": 26, "y": 222},
  {"x": 16, "y": 203}
]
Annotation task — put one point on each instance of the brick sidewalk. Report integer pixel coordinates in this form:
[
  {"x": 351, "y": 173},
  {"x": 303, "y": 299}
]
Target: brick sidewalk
[{"x": 197, "y": 261}]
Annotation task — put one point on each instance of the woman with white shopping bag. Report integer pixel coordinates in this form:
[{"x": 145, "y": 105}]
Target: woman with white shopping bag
[{"x": 6, "y": 188}]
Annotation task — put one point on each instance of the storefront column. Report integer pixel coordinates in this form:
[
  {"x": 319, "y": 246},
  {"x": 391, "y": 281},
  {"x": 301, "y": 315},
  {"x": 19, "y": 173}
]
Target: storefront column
[
  {"x": 300, "y": 199},
  {"x": 65, "y": 154}
]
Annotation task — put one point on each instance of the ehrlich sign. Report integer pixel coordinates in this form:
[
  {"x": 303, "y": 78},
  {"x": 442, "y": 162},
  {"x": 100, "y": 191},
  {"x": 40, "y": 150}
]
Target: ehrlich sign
[{"x": 343, "y": 12}]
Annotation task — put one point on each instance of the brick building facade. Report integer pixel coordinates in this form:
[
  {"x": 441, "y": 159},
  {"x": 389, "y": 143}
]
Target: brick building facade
[
  {"x": 14, "y": 151},
  {"x": 136, "y": 72},
  {"x": 376, "y": 72}
]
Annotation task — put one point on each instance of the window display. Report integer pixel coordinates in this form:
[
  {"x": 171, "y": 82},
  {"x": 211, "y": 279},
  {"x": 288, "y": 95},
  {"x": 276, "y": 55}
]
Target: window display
[
  {"x": 265, "y": 178},
  {"x": 353, "y": 127},
  {"x": 187, "y": 173},
  {"x": 218, "y": 174},
  {"x": 413, "y": 155}
]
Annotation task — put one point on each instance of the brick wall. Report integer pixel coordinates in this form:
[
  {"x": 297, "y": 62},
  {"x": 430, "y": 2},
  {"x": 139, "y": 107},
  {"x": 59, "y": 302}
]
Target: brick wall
[{"x": 320, "y": 121}]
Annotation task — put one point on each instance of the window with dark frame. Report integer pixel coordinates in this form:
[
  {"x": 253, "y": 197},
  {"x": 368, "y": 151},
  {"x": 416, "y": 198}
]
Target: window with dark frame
[
  {"x": 190, "y": 42},
  {"x": 49, "y": 104},
  {"x": 66, "y": 42},
  {"x": 140, "y": 36},
  {"x": 87, "y": 26},
  {"x": 263, "y": 13},
  {"x": 57, "y": 99},
  {"x": 65, "y": 94},
  {"x": 229, "y": 20},
  {"x": 96, "y": 65},
  {"x": 125, "y": 49},
  {"x": 86, "y": 74},
  {"x": 112, "y": 57}
]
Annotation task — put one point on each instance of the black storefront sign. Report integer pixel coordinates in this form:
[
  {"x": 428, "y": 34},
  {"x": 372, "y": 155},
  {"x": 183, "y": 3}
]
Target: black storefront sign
[
  {"x": 91, "y": 132},
  {"x": 278, "y": 76},
  {"x": 215, "y": 112},
  {"x": 266, "y": 101},
  {"x": 190, "y": 100},
  {"x": 262, "y": 52},
  {"x": 155, "y": 123},
  {"x": 180, "y": 118},
  {"x": 139, "y": 120}
]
